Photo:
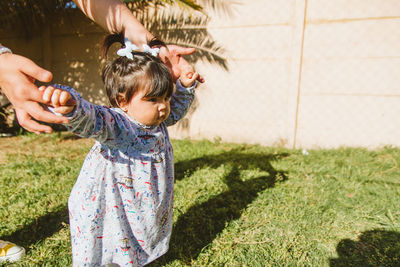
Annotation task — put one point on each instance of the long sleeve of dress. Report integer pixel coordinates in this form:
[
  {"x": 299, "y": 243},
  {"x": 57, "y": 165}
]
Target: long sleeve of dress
[
  {"x": 92, "y": 121},
  {"x": 180, "y": 102}
]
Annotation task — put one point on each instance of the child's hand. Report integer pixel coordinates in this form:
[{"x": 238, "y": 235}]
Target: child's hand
[
  {"x": 61, "y": 100},
  {"x": 188, "y": 76}
]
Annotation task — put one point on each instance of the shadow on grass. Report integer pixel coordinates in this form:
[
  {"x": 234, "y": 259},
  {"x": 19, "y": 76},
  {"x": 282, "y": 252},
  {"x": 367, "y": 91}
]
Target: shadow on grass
[
  {"x": 39, "y": 229},
  {"x": 235, "y": 157},
  {"x": 373, "y": 248},
  {"x": 200, "y": 225},
  {"x": 69, "y": 137}
]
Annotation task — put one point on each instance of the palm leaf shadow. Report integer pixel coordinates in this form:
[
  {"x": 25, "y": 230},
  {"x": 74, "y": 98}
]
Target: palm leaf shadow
[
  {"x": 200, "y": 225},
  {"x": 221, "y": 7},
  {"x": 188, "y": 31}
]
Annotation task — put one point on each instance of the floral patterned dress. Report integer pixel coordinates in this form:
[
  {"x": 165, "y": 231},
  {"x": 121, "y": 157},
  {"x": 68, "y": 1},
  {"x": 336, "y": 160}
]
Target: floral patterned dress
[{"x": 121, "y": 205}]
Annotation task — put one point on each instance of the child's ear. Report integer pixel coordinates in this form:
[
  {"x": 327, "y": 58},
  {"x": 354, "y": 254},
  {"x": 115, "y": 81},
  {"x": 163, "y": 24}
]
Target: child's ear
[{"x": 122, "y": 103}]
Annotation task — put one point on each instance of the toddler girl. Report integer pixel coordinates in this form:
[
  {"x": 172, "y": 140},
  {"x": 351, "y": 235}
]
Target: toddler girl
[{"x": 121, "y": 205}]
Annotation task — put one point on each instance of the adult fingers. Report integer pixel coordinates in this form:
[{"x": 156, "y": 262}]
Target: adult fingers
[
  {"x": 32, "y": 70},
  {"x": 25, "y": 120},
  {"x": 18, "y": 76},
  {"x": 179, "y": 50},
  {"x": 64, "y": 109},
  {"x": 28, "y": 73},
  {"x": 37, "y": 112},
  {"x": 200, "y": 79},
  {"x": 25, "y": 91}
]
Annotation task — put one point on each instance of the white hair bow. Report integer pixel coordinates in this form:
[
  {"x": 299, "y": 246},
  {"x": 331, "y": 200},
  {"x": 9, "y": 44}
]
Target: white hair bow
[
  {"x": 129, "y": 47},
  {"x": 153, "y": 51},
  {"x": 127, "y": 50}
]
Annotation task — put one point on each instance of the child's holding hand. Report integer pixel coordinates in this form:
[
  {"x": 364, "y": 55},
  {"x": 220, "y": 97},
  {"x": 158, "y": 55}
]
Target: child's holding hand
[
  {"x": 62, "y": 101},
  {"x": 188, "y": 76}
]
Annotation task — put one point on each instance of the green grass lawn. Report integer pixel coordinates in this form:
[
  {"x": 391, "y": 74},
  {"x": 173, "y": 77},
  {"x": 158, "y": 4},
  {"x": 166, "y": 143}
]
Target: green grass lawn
[{"x": 235, "y": 204}]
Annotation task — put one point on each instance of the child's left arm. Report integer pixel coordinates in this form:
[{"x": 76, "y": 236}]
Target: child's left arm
[{"x": 183, "y": 97}]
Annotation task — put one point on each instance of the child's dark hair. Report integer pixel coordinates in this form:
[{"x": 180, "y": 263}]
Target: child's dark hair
[{"x": 124, "y": 77}]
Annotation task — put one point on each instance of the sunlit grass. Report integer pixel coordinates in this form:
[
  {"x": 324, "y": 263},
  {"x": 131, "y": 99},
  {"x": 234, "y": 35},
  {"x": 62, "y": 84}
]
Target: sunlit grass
[{"x": 235, "y": 204}]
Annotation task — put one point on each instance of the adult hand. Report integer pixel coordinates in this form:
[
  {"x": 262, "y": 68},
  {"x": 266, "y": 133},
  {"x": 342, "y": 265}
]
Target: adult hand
[
  {"x": 17, "y": 77},
  {"x": 172, "y": 57}
]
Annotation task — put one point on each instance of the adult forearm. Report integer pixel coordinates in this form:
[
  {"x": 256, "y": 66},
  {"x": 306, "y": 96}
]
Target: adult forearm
[{"x": 115, "y": 17}]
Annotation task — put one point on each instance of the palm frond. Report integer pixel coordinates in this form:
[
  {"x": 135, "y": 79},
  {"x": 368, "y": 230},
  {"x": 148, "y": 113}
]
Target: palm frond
[
  {"x": 141, "y": 5},
  {"x": 187, "y": 3},
  {"x": 226, "y": 7},
  {"x": 190, "y": 31},
  {"x": 26, "y": 16}
]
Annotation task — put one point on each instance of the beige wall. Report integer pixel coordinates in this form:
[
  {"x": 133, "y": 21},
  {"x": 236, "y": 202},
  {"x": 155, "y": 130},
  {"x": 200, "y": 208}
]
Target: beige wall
[
  {"x": 303, "y": 73},
  {"x": 316, "y": 73},
  {"x": 351, "y": 74}
]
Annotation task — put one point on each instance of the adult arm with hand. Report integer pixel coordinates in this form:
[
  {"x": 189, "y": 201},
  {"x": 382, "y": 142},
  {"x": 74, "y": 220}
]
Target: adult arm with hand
[
  {"x": 17, "y": 76},
  {"x": 115, "y": 17}
]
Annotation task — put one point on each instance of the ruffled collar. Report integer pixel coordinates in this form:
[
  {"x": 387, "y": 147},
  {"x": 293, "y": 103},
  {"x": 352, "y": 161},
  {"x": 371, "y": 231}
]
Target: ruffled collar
[{"x": 141, "y": 125}]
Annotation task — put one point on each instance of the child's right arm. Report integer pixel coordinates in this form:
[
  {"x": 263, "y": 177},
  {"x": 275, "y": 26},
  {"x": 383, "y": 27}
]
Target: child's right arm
[{"x": 87, "y": 119}]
